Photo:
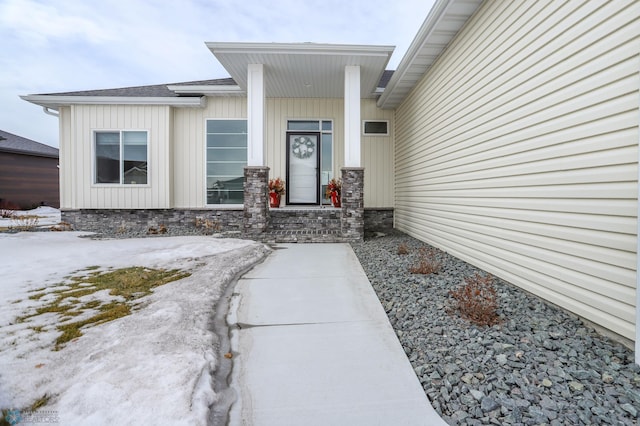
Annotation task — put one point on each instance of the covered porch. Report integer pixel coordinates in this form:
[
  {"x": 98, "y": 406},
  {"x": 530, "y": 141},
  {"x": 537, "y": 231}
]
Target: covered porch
[{"x": 306, "y": 70}]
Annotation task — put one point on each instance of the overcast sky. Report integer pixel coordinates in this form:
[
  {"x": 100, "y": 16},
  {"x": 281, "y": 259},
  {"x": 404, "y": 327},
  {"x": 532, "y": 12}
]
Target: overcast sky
[{"x": 67, "y": 45}]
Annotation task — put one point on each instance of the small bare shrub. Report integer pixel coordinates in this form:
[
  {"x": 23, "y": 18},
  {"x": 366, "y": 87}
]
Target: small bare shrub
[
  {"x": 427, "y": 262},
  {"x": 161, "y": 229},
  {"x": 25, "y": 222},
  {"x": 62, "y": 226},
  {"x": 6, "y": 213},
  {"x": 403, "y": 248},
  {"x": 477, "y": 301},
  {"x": 207, "y": 225}
]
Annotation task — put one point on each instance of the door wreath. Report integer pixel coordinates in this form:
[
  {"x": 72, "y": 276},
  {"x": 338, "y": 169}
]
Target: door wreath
[{"x": 303, "y": 147}]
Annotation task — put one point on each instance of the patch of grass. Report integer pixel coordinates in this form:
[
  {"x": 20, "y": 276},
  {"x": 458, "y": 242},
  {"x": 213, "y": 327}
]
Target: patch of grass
[
  {"x": 427, "y": 262},
  {"x": 7, "y": 420},
  {"x": 91, "y": 305},
  {"x": 108, "y": 312},
  {"x": 126, "y": 283},
  {"x": 37, "y": 328},
  {"x": 40, "y": 402},
  {"x": 37, "y": 296}
]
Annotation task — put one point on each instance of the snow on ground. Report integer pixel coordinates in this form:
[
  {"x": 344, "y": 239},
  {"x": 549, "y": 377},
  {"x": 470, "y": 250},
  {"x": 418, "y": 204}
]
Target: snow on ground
[
  {"x": 151, "y": 367},
  {"x": 47, "y": 216}
]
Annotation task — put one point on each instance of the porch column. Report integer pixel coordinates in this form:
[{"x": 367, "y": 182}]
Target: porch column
[
  {"x": 352, "y": 219},
  {"x": 352, "y": 116},
  {"x": 255, "y": 115},
  {"x": 256, "y": 174}
]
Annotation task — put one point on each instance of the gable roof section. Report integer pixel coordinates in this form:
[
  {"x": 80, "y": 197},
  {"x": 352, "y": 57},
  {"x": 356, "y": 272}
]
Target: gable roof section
[
  {"x": 442, "y": 24},
  {"x": 19, "y": 145},
  {"x": 158, "y": 90},
  {"x": 158, "y": 94},
  {"x": 304, "y": 70}
]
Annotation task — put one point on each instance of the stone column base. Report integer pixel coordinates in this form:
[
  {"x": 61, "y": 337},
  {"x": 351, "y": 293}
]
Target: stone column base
[
  {"x": 352, "y": 199},
  {"x": 256, "y": 200}
]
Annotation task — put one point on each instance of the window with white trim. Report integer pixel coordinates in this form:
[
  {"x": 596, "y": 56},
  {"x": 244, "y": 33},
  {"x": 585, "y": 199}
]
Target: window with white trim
[
  {"x": 375, "y": 127},
  {"x": 121, "y": 157},
  {"x": 226, "y": 160}
]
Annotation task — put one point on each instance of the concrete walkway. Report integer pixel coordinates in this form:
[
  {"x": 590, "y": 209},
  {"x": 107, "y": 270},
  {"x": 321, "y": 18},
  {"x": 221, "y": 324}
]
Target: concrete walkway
[{"x": 313, "y": 346}]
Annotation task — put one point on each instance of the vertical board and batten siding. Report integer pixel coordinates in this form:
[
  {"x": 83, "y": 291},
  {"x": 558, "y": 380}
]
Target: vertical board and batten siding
[
  {"x": 376, "y": 151},
  {"x": 377, "y": 158},
  {"x": 518, "y": 152},
  {"x": 189, "y": 147},
  {"x": 78, "y": 124},
  {"x": 66, "y": 159}
]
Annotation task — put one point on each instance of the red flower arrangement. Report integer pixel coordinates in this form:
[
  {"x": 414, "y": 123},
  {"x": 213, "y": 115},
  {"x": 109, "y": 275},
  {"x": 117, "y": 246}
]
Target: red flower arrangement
[
  {"x": 276, "y": 185},
  {"x": 334, "y": 185}
]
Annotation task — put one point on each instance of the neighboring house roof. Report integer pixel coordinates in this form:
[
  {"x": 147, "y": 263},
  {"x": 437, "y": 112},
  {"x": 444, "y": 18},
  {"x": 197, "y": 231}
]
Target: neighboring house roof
[
  {"x": 19, "y": 145},
  {"x": 443, "y": 23}
]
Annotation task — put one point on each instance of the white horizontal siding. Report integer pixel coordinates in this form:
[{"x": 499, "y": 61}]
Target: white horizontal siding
[
  {"x": 518, "y": 152},
  {"x": 80, "y": 192}
]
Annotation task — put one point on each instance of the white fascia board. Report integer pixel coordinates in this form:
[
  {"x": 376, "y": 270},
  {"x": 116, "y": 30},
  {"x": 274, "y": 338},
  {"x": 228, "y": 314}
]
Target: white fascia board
[
  {"x": 300, "y": 48},
  {"x": 208, "y": 90},
  {"x": 427, "y": 28},
  {"x": 431, "y": 25},
  {"x": 53, "y": 101}
]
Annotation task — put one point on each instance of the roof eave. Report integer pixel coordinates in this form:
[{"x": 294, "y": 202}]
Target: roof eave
[
  {"x": 300, "y": 48},
  {"x": 30, "y": 153},
  {"x": 303, "y": 70},
  {"x": 432, "y": 26},
  {"x": 207, "y": 90},
  {"x": 56, "y": 101}
]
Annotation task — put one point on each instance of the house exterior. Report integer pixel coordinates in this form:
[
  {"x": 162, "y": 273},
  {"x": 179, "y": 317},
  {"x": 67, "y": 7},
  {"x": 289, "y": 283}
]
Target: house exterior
[
  {"x": 28, "y": 173},
  {"x": 508, "y": 136}
]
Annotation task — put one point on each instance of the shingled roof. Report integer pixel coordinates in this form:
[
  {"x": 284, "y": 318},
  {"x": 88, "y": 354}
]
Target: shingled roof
[
  {"x": 154, "y": 91},
  {"x": 384, "y": 80},
  {"x": 19, "y": 145},
  {"x": 162, "y": 90}
]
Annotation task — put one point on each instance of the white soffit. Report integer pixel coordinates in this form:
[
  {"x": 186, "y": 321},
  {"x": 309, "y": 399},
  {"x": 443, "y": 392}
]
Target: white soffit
[
  {"x": 304, "y": 70},
  {"x": 444, "y": 21}
]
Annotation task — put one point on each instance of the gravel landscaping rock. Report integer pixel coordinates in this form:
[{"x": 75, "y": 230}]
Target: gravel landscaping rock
[{"x": 539, "y": 365}]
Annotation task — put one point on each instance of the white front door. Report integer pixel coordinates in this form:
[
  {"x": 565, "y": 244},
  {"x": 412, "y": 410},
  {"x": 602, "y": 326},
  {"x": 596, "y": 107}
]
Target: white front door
[{"x": 303, "y": 164}]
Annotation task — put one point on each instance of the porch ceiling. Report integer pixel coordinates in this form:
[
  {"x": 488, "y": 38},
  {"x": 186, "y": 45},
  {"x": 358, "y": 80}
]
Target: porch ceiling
[{"x": 304, "y": 70}]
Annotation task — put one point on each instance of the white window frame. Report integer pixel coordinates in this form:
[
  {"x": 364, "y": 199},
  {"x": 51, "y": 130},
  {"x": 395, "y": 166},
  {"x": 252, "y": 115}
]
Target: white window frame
[
  {"x": 121, "y": 184},
  {"x": 364, "y": 125},
  {"x": 206, "y": 202}
]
